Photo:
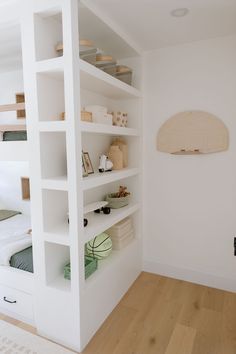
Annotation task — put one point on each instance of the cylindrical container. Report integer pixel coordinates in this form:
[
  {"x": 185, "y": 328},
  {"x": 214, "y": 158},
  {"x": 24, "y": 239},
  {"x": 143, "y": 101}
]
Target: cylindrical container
[
  {"x": 124, "y": 149},
  {"x": 116, "y": 157}
]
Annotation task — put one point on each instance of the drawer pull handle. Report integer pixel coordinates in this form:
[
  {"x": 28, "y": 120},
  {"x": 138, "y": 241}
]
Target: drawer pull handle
[{"x": 10, "y": 302}]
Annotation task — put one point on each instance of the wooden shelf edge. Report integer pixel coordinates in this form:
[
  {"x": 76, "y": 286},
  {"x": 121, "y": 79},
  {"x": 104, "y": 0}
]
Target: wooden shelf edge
[{"x": 12, "y": 107}]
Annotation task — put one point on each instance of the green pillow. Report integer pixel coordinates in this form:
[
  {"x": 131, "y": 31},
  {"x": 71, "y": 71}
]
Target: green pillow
[{"x": 6, "y": 214}]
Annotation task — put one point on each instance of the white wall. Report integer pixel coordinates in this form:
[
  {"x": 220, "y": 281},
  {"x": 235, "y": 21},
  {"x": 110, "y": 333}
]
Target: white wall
[
  {"x": 10, "y": 185},
  {"x": 190, "y": 201},
  {"x": 10, "y": 84}
]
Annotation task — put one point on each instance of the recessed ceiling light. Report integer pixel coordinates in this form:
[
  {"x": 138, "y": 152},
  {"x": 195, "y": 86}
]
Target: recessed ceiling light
[{"x": 181, "y": 12}]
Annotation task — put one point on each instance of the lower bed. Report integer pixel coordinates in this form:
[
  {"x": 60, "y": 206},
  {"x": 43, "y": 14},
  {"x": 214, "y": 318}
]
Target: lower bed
[
  {"x": 15, "y": 240},
  {"x": 23, "y": 260}
]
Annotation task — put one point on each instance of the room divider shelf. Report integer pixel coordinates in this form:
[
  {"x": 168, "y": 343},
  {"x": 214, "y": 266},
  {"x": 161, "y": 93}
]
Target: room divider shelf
[
  {"x": 53, "y": 126},
  {"x": 57, "y": 238},
  {"x": 53, "y": 67},
  {"x": 113, "y": 264},
  {"x": 98, "y": 223},
  {"x": 95, "y": 128},
  {"x": 57, "y": 183},
  {"x": 99, "y": 179}
]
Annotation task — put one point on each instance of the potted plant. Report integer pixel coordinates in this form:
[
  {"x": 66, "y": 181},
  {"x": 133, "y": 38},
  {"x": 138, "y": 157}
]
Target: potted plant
[{"x": 119, "y": 199}]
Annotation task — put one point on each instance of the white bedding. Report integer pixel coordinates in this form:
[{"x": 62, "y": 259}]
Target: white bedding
[{"x": 14, "y": 237}]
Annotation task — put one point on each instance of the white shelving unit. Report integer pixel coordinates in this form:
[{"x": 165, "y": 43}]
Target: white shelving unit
[{"x": 65, "y": 84}]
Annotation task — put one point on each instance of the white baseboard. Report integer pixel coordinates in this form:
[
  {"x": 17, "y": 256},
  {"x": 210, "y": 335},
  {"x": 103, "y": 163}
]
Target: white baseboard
[{"x": 189, "y": 275}]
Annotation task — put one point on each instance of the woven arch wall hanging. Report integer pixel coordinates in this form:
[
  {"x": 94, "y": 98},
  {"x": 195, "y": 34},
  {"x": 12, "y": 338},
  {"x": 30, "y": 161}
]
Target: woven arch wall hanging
[{"x": 195, "y": 132}]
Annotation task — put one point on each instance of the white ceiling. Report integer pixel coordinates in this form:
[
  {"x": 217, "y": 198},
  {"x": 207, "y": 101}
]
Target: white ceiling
[{"x": 149, "y": 24}]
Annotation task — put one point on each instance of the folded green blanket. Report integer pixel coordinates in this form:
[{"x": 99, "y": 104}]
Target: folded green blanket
[
  {"x": 15, "y": 136},
  {"x": 6, "y": 214}
]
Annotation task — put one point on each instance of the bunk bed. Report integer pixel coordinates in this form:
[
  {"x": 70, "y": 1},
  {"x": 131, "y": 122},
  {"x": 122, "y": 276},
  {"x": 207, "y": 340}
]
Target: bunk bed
[{"x": 16, "y": 268}]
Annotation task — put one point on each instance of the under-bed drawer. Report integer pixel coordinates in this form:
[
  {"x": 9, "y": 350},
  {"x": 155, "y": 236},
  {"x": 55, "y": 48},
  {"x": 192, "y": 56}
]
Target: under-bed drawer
[{"x": 16, "y": 301}]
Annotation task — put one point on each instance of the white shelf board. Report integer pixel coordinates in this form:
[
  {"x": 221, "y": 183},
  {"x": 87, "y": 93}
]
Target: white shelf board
[
  {"x": 99, "y": 179},
  {"x": 14, "y": 151},
  {"x": 57, "y": 183},
  {"x": 87, "y": 127},
  {"x": 58, "y": 239},
  {"x": 53, "y": 126},
  {"x": 96, "y": 80},
  {"x": 104, "y": 33},
  {"x": 53, "y": 67},
  {"x": 61, "y": 284},
  {"x": 112, "y": 264},
  {"x": 98, "y": 223}
]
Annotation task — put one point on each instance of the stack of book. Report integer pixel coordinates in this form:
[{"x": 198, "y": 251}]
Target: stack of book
[{"x": 121, "y": 233}]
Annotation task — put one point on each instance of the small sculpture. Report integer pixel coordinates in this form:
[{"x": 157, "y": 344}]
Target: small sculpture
[{"x": 105, "y": 164}]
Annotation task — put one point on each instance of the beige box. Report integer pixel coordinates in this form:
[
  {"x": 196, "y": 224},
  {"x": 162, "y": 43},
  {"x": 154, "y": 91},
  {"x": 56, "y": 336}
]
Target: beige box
[{"x": 120, "y": 119}]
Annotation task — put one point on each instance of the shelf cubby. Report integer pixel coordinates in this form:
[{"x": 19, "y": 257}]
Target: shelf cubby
[
  {"x": 48, "y": 32},
  {"x": 98, "y": 223},
  {"x": 51, "y": 101},
  {"x": 55, "y": 213},
  {"x": 53, "y": 155},
  {"x": 99, "y": 179},
  {"x": 58, "y": 256}
]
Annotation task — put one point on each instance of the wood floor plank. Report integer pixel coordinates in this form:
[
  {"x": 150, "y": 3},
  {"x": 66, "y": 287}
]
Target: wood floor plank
[
  {"x": 181, "y": 341},
  {"x": 229, "y": 324},
  {"x": 159, "y": 315},
  {"x": 213, "y": 299},
  {"x": 208, "y": 339},
  {"x": 111, "y": 332},
  {"x": 191, "y": 310}
]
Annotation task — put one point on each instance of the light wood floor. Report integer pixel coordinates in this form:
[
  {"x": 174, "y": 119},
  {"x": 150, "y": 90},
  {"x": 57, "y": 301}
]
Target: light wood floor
[{"x": 159, "y": 315}]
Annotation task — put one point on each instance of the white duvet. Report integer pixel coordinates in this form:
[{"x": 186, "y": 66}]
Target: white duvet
[{"x": 14, "y": 237}]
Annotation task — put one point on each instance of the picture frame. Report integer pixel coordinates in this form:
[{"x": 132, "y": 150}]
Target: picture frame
[
  {"x": 87, "y": 163},
  {"x": 84, "y": 171}
]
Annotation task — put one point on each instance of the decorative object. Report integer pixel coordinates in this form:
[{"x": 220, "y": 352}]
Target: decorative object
[
  {"x": 124, "y": 73},
  {"x": 116, "y": 157},
  {"x": 87, "y": 163},
  {"x": 86, "y": 116},
  {"x": 124, "y": 149},
  {"x": 121, "y": 233},
  {"x": 100, "y": 114},
  {"x": 105, "y": 165},
  {"x": 90, "y": 265},
  {"x": 84, "y": 171},
  {"x": 100, "y": 247},
  {"x": 119, "y": 199},
  {"x": 120, "y": 119},
  {"x": 15, "y": 340},
  {"x": 194, "y": 132}
]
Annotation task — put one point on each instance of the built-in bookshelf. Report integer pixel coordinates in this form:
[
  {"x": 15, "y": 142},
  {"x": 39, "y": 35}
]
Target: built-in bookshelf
[{"x": 59, "y": 191}]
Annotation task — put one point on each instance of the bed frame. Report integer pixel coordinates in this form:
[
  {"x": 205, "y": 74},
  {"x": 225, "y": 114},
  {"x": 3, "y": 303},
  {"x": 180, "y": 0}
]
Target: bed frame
[{"x": 16, "y": 294}]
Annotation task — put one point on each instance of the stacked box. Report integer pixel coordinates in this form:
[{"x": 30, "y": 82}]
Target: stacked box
[{"x": 121, "y": 233}]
